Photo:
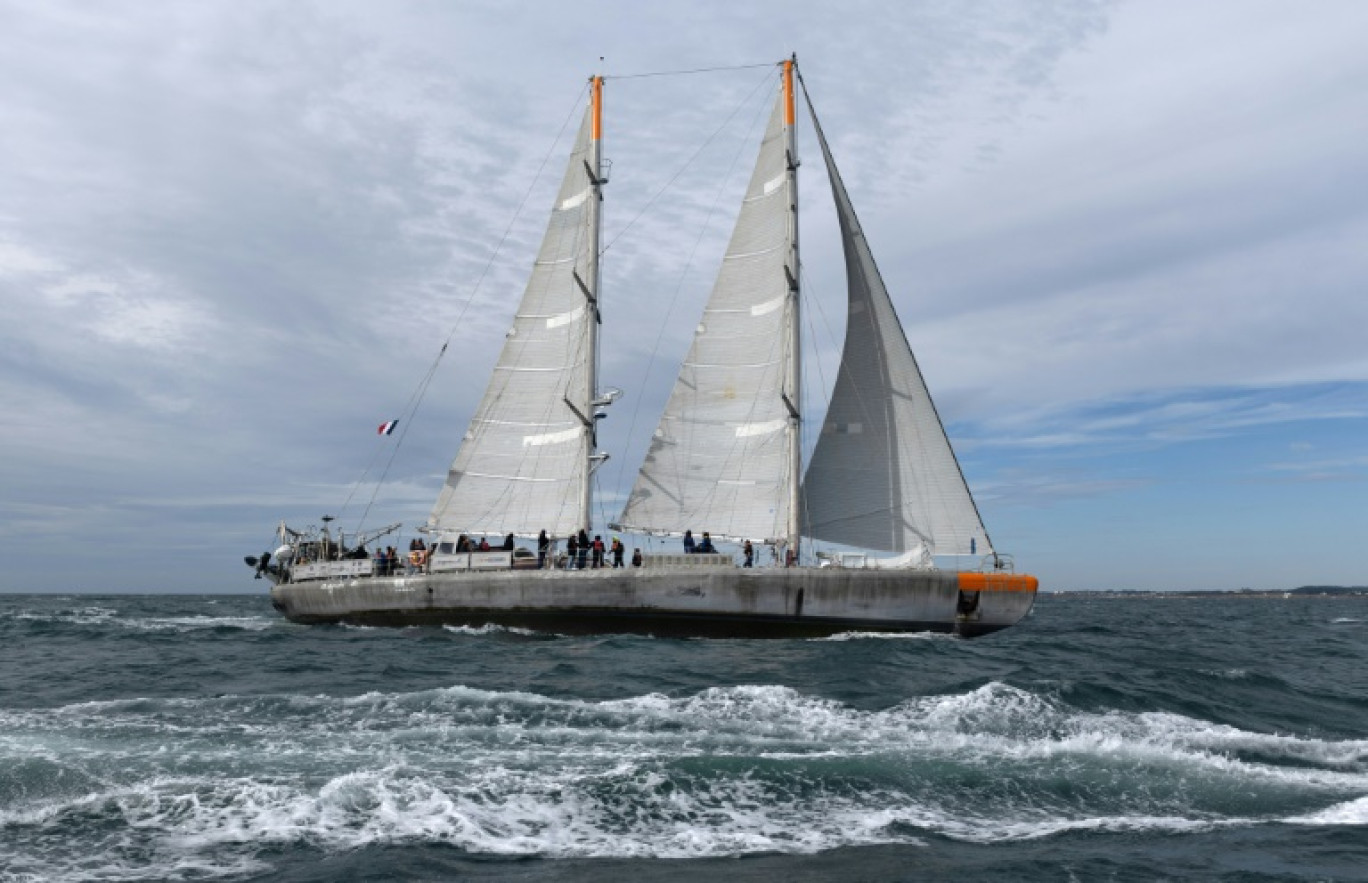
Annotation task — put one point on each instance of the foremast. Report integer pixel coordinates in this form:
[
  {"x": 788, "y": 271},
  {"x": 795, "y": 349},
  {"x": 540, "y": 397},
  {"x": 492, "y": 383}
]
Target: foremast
[
  {"x": 595, "y": 169},
  {"x": 793, "y": 395}
]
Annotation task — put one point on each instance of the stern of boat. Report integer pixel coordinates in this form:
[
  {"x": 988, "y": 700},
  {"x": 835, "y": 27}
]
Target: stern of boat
[{"x": 990, "y": 602}]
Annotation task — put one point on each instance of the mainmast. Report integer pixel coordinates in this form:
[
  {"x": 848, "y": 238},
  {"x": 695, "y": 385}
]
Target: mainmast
[
  {"x": 595, "y": 163},
  {"x": 793, "y": 398}
]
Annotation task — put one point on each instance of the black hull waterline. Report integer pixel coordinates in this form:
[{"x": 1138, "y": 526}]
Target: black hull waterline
[{"x": 732, "y": 603}]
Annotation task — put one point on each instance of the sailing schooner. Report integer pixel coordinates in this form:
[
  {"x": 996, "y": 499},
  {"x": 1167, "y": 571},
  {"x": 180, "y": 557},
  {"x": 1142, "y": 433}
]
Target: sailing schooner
[{"x": 726, "y": 454}]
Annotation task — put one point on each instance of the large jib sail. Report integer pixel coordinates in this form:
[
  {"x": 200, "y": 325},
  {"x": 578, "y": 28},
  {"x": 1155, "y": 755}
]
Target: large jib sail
[
  {"x": 523, "y": 465},
  {"x": 720, "y": 458},
  {"x": 883, "y": 475}
]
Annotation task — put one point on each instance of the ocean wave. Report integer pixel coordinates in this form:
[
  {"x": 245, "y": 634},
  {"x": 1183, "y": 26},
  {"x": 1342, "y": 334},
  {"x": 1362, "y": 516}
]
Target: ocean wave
[
  {"x": 193, "y": 623},
  {"x": 994, "y": 718},
  {"x": 216, "y": 783},
  {"x": 85, "y": 615},
  {"x": 1351, "y": 812},
  {"x": 109, "y": 616}
]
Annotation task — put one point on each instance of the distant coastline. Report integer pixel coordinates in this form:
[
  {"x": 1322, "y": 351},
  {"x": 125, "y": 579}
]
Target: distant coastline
[{"x": 1300, "y": 592}]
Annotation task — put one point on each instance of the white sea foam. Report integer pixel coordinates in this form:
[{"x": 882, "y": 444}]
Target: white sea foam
[
  {"x": 490, "y": 628},
  {"x": 1227, "y": 674},
  {"x": 192, "y": 623},
  {"x": 96, "y": 615},
  {"x": 1352, "y": 812},
  {"x": 215, "y": 783},
  {"x": 620, "y": 812},
  {"x": 86, "y": 615},
  {"x": 886, "y": 636},
  {"x": 1115, "y": 824}
]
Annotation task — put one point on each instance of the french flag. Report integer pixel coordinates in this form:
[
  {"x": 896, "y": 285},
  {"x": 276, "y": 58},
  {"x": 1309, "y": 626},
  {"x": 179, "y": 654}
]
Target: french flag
[{"x": 388, "y": 427}]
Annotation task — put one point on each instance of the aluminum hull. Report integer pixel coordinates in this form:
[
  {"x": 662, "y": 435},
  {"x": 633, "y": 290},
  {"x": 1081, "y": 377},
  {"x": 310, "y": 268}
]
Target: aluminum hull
[{"x": 677, "y": 602}]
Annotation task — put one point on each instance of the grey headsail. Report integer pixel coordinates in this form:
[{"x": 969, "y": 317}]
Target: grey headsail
[
  {"x": 883, "y": 475},
  {"x": 523, "y": 465}
]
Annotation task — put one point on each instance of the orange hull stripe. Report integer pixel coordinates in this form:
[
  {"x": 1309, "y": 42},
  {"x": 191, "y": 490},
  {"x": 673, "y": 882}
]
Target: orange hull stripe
[{"x": 997, "y": 582}]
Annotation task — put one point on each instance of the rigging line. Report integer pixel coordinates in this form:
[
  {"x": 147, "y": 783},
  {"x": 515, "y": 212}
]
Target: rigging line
[
  {"x": 811, "y": 300},
  {"x": 860, "y": 400},
  {"x": 723, "y": 181},
  {"x": 599, "y": 503},
  {"x": 406, "y": 416},
  {"x": 405, "y": 422},
  {"x": 689, "y": 162},
  {"x": 697, "y": 70},
  {"x": 356, "y": 485},
  {"x": 527, "y": 194},
  {"x": 816, "y": 303},
  {"x": 416, "y": 399}
]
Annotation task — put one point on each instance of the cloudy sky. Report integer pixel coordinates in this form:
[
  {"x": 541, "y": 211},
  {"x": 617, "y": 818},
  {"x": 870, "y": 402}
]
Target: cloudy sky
[{"x": 1127, "y": 241}]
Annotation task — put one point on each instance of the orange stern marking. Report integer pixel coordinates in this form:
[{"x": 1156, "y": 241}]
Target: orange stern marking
[{"x": 997, "y": 582}]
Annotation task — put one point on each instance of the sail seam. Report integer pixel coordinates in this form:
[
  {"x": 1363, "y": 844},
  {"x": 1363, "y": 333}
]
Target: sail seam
[{"x": 525, "y": 478}]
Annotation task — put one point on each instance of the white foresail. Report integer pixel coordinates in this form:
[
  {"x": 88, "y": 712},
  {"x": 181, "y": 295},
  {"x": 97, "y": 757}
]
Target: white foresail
[
  {"x": 523, "y": 465},
  {"x": 720, "y": 458},
  {"x": 883, "y": 475}
]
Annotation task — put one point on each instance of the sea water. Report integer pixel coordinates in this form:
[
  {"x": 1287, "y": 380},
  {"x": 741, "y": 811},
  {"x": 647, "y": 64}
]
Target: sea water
[{"x": 1103, "y": 738}]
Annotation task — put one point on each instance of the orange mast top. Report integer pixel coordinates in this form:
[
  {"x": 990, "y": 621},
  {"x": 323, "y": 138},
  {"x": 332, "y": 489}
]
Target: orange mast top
[
  {"x": 596, "y": 87},
  {"x": 788, "y": 92}
]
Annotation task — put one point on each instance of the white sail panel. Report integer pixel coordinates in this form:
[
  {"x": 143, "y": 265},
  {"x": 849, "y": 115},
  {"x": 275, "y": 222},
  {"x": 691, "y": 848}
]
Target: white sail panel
[
  {"x": 523, "y": 463},
  {"x": 716, "y": 462},
  {"x": 883, "y": 475}
]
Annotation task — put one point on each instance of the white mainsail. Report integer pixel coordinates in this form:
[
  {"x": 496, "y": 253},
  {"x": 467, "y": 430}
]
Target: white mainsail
[
  {"x": 524, "y": 463},
  {"x": 883, "y": 475},
  {"x": 721, "y": 458}
]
